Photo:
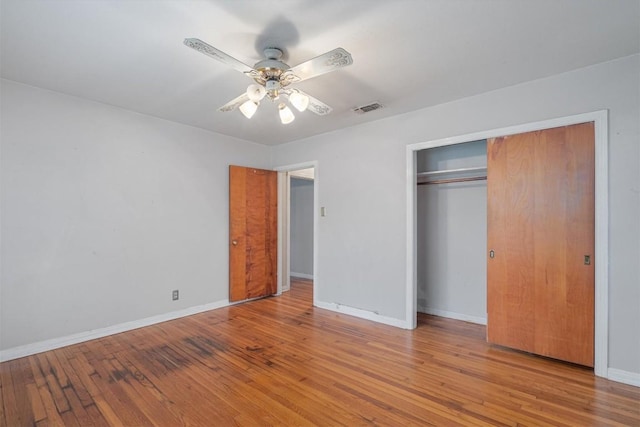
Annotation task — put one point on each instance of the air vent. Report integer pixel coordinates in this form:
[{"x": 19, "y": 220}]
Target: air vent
[{"x": 367, "y": 108}]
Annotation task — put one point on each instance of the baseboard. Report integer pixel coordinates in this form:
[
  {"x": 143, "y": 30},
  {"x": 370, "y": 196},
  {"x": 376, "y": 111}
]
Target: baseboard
[
  {"x": 52, "y": 344},
  {"x": 363, "y": 314},
  {"x": 453, "y": 315},
  {"x": 301, "y": 275},
  {"x": 626, "y": 377}
]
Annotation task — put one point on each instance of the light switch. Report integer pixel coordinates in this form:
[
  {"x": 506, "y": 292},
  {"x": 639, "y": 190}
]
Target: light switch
[{"x": 323, "y": 211}]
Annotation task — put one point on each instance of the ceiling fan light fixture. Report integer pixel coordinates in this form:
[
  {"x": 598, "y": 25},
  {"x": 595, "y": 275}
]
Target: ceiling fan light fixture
[
  {"x": 249, "y": 108},
  {"x": 256, "y": 92},
  {"x": 298, "y": 100},
  {"x": 271, "y": 77},
  {"x": 286, "y": 115}
]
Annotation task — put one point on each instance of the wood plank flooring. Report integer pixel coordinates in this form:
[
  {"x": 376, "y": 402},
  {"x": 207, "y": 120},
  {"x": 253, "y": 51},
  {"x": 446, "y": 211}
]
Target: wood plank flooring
[{"x": 279, "y": 361}]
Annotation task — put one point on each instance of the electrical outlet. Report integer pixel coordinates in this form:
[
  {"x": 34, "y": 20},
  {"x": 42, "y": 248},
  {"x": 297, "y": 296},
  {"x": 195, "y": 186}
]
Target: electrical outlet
[{"x": 175, "y": 295}]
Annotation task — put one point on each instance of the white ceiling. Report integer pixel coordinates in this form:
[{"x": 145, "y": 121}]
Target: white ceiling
[{"x": 407, "y": 54}]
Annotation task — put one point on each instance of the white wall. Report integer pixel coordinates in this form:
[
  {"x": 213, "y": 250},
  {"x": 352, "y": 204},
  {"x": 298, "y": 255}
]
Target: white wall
[
  {"x": 361, "y": 239},
  {"x": 451, "y": 235},
  {"x": 362, "y": 253},
  {"x": 104, "y": 212},
  {"x": 301, "y": 226}
]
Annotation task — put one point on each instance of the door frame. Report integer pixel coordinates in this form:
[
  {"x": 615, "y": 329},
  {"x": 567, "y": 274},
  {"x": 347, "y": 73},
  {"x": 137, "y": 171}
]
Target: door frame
[
  {"x": 601, "y": 125},
  {"x": 284, "y": 224}
]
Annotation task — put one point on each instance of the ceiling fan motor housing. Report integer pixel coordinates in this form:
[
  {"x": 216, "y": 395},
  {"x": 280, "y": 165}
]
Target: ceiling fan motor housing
[
  {"x": 272, "y": 62},
  {"x": 270, "y": 71}
]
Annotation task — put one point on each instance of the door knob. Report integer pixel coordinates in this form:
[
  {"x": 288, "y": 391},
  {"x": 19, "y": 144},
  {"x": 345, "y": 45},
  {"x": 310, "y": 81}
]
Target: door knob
[{"x": 234, "y": 242}]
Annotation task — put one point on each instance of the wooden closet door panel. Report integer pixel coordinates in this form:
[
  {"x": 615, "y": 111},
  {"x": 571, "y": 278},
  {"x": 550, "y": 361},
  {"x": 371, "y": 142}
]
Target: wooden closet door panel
[
  {"x": 564, "y": 234},
  {"x": 510, "y": 290},
  {"x": 541, "y": 226}
]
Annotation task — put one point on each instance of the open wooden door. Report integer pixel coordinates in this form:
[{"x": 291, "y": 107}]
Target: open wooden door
[
  {"x": 253, "y": 230},
  {"x": 540, "y": 272}
]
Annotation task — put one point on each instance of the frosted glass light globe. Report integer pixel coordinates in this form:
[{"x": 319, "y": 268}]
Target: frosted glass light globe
[
  {"x": 256, "y": 92},
  {"x": 286, "y": 115},
  {"x": 248, "y": 109},
  {"x": 298, "y": 100}
]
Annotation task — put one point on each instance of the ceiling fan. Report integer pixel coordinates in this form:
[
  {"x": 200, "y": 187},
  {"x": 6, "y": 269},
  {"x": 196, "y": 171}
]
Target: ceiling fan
[{"x": 273, "y": 79}]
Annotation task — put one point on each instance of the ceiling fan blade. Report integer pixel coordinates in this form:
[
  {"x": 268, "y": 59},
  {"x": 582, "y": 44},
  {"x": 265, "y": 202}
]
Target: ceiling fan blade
[
  {"x": 330, "y": 61},
  {"x": 316, "y": 106},
  {"x": 214, "y": 53},
  {"x": 235, "y": 103}
]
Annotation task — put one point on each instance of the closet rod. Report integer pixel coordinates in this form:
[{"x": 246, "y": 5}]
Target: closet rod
[{"x": 451, "y": 180}]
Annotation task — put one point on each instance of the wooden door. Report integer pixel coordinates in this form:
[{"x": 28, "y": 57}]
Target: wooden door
[
  {"x": 253, "y": 229},
  {"x": 540, "y": 285}
]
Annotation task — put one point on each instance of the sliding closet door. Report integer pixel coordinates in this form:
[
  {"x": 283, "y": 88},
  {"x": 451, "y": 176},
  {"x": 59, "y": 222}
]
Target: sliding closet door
[{"x": 540, "y": 272}]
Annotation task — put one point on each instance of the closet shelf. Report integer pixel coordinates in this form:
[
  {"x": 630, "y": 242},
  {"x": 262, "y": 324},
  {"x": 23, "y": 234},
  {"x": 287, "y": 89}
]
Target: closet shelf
[
  {"x": 450, "y": 171},
  {"x": 452, "y": 175}
]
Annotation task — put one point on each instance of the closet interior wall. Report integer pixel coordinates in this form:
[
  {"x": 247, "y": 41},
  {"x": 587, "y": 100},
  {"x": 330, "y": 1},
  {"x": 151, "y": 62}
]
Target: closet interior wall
[{"x": 452, "y": 233}]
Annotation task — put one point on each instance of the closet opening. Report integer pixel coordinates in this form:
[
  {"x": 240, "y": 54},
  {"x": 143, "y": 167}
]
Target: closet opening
[{"x": 451, "y": 231}]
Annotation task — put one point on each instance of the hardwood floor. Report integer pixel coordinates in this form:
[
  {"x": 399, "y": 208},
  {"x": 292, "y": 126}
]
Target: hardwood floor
[{"x": 279, "y": 361}]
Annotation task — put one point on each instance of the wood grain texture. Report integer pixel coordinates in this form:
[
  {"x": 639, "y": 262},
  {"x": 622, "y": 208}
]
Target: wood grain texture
[
  {"x": 280, "y": 361},
  {"x": 540, "y": 294},
  {"x": 510, "y": 290},
  {"x": 237, "y": 233},
  {"x": 253, "y": 224},
  {"x": 564, "y": 235}
]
